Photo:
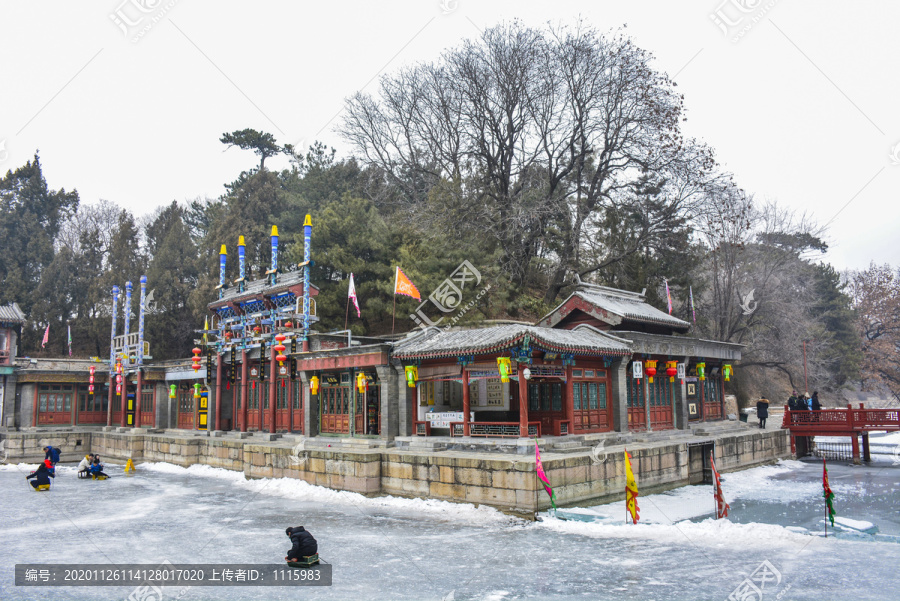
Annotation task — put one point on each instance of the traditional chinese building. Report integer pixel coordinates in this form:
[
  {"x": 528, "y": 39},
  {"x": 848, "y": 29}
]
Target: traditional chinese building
[{"x": 11, "y": 321}]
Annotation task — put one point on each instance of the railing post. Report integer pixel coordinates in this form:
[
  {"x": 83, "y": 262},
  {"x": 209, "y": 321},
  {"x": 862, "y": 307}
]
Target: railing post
[{"x": 850, "y": 418}]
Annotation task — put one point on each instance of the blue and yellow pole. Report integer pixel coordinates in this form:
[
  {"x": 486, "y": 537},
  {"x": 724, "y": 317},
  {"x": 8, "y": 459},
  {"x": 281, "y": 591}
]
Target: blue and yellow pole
[
  {"x": 274, "y": 270},
  {"x": 223, "y": 258},
  {"x": 242, "y": 262},
  {"x": 307, "y": 241}
]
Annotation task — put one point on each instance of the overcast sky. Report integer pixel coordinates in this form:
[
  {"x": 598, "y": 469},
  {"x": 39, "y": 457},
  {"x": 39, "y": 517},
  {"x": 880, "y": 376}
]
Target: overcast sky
[{"x": 126, "y": 99}]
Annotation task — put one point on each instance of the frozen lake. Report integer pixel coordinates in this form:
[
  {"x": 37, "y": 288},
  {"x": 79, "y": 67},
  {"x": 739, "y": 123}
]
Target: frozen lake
[{"x": 391, "y": 548}]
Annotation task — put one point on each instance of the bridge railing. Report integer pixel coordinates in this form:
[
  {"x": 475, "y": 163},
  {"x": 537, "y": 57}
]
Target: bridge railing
[{"x": 842, "y": 420}]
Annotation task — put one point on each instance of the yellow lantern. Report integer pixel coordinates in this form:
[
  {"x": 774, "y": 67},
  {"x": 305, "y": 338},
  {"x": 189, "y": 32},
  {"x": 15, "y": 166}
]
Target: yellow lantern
[
  {"x": 361, "y": 382},
  {"x": 503, "y": 368},
  {"x": 412, "y": 374},
  {"x": 314, "y": 385}
]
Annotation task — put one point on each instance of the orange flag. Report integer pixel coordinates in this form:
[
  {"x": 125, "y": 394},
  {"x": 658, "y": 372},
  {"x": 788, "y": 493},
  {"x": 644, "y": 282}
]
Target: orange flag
[{"x": 404, "y": 286}]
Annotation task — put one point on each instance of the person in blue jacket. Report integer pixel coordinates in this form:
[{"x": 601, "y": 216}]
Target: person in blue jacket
[
  {"x": 42, "y": 474},
  {"x": 97, "y": 469},
  {"x": 51, "y": 453}
]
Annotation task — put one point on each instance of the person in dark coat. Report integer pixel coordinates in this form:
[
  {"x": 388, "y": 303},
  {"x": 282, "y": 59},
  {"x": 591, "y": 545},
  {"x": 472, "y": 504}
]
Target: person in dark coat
[
  {"x": 51, "y": 453},
  {"x": 792, "y": 402},
  {"x": 762, "y": 411},
  {"x": 304, "y": 544},
  {"x": 816, "y": 405},
  {"x": 42, "y": 474}
]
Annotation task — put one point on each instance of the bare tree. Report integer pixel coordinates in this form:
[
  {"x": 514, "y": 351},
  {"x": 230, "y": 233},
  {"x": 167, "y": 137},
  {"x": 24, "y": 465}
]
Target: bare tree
[
  {"x": 876, "y": 295},
  {"x": 527, "y": 137}
]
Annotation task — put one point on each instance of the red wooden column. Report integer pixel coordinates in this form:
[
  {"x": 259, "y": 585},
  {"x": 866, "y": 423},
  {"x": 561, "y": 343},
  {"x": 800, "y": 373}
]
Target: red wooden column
[
  {"x": 75, "y": 404},
  {"x": 244, "y": 392},
  {"x": 272, "y": 379},
  {"x": 523, "y": 403},
  {"x": 218, "y": 419},
  {"x": 466, "y": 400},
  {"x": 123, "y": 398},
  {"x": 570, "y": 399},
  {"x": 109, "y": 401},
  {"x": 137, "y": 399},
  {"x": 414, "y": 412}
]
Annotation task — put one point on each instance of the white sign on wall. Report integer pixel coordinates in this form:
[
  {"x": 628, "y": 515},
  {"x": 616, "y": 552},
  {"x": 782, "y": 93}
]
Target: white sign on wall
[{"x": 443, "y": 419}]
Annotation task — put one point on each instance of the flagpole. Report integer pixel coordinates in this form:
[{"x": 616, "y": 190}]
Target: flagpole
[
  {"x": 825, "y": 497},
  {"x": 394, "y": 309},
  {"x": 347, "y": 315}
]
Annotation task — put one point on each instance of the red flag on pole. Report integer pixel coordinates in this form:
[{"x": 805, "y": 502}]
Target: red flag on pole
[
  {"x": 46, "y": 336},
  {"x": 721, "y": 506}
]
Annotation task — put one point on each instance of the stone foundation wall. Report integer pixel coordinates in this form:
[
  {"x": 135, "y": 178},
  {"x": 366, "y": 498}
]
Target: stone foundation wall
[{"x": 507, "y": 482}]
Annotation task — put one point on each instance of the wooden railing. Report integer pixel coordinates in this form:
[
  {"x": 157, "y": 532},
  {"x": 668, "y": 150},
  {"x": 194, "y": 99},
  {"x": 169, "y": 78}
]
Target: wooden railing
[
  {"x": 495, "y": 429},
  {"x": 841, "y": 420}
]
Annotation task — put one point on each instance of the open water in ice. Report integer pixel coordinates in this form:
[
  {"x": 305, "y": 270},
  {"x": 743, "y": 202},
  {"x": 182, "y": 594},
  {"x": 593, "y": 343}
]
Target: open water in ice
[{"x": 392, "y": 548}]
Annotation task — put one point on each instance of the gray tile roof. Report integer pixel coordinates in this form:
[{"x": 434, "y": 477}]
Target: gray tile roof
[
  {"x": 261, "y": 287},
  {"x": 630, "y": 306},
  {"x": 443, "y": 343},
  {"x": 12, "y": 313}
]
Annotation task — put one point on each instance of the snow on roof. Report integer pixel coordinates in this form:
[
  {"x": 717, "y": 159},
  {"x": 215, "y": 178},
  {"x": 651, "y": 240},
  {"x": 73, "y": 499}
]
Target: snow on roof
[
  {"x": 631, "y": 306},
  {"x": 12, "y": 313},
  {"x": 443, "y": 343}
]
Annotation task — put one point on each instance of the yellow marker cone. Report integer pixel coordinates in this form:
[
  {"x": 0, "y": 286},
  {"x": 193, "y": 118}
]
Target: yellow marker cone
[{"x": 129, "y": 466}]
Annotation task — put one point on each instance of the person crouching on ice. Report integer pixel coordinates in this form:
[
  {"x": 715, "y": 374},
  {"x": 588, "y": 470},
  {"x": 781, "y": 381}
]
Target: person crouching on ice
[
  {"x": 85, "y": 466},
  {"x": 42, "y": 474},
  {"x": 97, "y": 469},
  {"x": 304, "y": 544}
]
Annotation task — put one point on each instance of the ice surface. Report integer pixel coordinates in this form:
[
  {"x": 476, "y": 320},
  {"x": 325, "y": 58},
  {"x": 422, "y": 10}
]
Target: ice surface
[{"x": 394, "y": 548}]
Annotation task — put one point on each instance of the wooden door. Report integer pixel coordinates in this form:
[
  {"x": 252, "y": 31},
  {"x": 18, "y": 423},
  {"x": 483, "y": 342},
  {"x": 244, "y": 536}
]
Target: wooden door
[
  {"x": 661, "y": 414},
  {"x": 185, "y": 397},
  {"x": 591, "y": 406},
  {"x": 297, "y": 406},
  {"x": 712, "y": 398},
  {"x": 637, "y": 411},
  {"x": 92, "y": 408},
  {"x": 334, "y": 409},
  {"x": 256, "y": 389},
  {"x": 283, "y": 391},
  {"x": 148, "y": 406},
  {"x": 545, "y": 403},
  {"x": 55, "y": 404}
]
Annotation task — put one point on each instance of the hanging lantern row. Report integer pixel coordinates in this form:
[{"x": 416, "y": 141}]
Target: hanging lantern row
[
  {"x": 196, "y": 359},
  {"x": 91, "y": 381}
]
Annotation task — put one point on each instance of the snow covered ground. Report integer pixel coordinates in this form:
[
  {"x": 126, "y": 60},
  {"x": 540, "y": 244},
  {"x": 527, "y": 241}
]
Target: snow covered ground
[{"x": 393, "y": 548}]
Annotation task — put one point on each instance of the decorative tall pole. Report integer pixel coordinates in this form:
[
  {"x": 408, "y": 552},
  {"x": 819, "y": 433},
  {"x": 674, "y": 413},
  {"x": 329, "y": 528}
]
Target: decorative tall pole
[
  {"x": 223, "y": 257},
  {"x": 307, "y": 240},
  {"x": 140, "y": 353},
  {"x": 242, "y": 263},
  {"x": 127, "y": 307},
  {"x": 274, "y": 271},
  {"x": 141, "y": 309},
  {"x": 112, "y": 353}
]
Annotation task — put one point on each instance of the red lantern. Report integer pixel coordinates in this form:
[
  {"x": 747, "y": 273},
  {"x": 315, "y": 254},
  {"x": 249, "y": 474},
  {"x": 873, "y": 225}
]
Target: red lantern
[
  {"x": 196, "y": 359},
  {"x": 288, "y": 324},
  {"x": 671, "y": 370},
  {"x": 280, "y": 348},
  {"x": 650, "y": 369}
]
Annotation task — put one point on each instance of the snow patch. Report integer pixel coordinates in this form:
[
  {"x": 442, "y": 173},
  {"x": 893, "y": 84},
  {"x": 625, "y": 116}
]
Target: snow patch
[{"x": 301, "y": 490}]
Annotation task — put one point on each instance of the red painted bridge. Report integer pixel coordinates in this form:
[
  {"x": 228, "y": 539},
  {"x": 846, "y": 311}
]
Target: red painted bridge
[{"x": 840, "y": 422}]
